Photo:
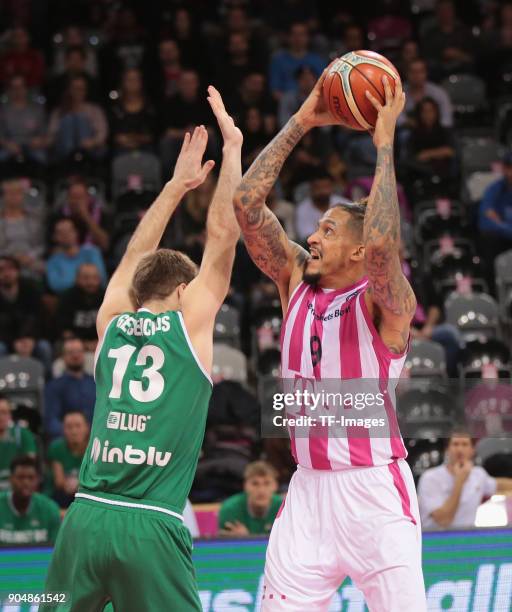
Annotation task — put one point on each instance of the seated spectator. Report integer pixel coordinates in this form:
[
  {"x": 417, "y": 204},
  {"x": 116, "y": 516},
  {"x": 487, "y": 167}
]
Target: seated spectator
[
  {"x": 75, "y": 65},
  {"x": 21, "y": 309},
  {"x": 133, "y": 120},
  {"x": 27, "y": 517},
  {"x": 14, "y": 441},
  {"x": 78, "y": 307},
  {"x": 21, "y": 59},
  {"x": 284, "y": 211},
  {"x": 430, "y": 148},
  {"x": 449, "y": 495},
  {"x": 73, "y": 37},
  {"x": 87, "y": 211},
  {"x": 311, "y": 209},
  {"x": 21, "y": 231},
  {"x": 184, "y": 110},
  {"x": 65, "y": 457},
  {"x": 22, "y": 126},
  {"x": 186, "y": 33},
  {"x": 170, "y": 69},
  {"x": 189, "y": 222},
  {"x": 254, "y": 510},
  {"x": 74, "y": 390},
  {"x": 353, "y": 39},
  {"x": 77, "y": 126},
  {"x": 292, "y": 100},
  {"x": 417, "y": 88},
  {"x": 447, "y": 43},
  {"x": 235, "y": 62},
  {"x": 284, "y": 64},
  {"x": 29, "y": 344},
  {"x": 252, "y": 93},
  {"x": 255, "y": 137},
  {"x": 495, "y": 219},
  {"x": 68, "y": 256},
  {"x": 408, "y": 53}
]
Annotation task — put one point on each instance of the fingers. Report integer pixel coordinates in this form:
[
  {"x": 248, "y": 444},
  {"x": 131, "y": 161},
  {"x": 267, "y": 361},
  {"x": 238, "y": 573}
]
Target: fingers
[
  {"x": 185, "y": 143},
  {"x": 216, "y": 98},
  {"x": 199, "y": 140},
  {"x": 388, "y": 94},
  {"x": 375, "y": 103}
]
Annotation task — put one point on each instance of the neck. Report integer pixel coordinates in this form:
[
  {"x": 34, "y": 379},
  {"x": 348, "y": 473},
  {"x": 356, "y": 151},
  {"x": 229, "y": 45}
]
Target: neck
[
  {"x": 77, "y": 447},
  {"x": 160, "y": 306},
  {"x": 337, "y": 281},
  {"x": 258, "y": 511},
  {"x": 13, "y": 212},
  {"x": 70, "y": 250},
  {"x": 75, "y": 373},
  {"x": 20, "y": 502}
]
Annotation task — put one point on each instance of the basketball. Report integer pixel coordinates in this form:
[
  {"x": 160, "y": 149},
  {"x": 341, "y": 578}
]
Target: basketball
[{"x": 347, "y": 80}]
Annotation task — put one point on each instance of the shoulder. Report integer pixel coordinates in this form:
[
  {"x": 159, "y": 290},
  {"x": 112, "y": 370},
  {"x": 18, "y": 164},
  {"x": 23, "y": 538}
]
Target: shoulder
[
  {"x": 55, "y": 447},
  {"x": 234, "y": 502},
  {"x": 433, "y": 474},
  {"x": 480, "y": 473},
  {"x": 3, "y": 497}
]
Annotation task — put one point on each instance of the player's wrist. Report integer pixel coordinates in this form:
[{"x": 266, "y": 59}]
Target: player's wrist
[
  {"x": 175, "y": 188},
  {"x": 305, "y": 120}
]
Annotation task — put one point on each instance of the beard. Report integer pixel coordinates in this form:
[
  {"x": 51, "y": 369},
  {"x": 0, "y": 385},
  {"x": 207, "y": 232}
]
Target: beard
[{"x": 310, "y": 278}]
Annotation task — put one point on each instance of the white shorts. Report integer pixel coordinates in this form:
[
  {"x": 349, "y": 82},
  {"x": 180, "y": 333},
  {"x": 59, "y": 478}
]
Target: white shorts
[{"x": 363, "y": 523}]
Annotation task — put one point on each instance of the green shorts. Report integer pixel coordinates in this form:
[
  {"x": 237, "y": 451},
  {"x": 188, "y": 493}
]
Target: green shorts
[{"x": 138, "y": 559}]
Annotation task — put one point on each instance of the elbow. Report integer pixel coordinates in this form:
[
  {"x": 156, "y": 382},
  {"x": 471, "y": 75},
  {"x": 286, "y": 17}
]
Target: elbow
[{"x": 224, "y": 235}]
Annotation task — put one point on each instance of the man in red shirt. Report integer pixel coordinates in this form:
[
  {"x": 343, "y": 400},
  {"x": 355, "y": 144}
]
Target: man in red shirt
[{"x": 22, "y": 59}]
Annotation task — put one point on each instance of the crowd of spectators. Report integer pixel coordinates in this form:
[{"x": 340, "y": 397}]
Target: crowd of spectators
[{"x": 93, "y": 111}]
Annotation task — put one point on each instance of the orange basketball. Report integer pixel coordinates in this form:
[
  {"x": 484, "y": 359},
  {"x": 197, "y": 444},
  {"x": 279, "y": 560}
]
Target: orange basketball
[{"x": 347, "y": 81}]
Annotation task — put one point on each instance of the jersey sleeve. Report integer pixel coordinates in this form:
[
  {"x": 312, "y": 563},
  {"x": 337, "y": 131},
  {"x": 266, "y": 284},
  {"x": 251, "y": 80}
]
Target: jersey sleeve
[
  {"x": 489, "y": 484},
  {"x": 53, "y": 451},
  {"x": 229, "y": 512}
]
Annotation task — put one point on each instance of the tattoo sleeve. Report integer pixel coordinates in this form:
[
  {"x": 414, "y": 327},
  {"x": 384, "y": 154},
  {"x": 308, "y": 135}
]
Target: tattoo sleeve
[
  {"x": 266, "y": 240},
  {"x": 381, "y": 236}
]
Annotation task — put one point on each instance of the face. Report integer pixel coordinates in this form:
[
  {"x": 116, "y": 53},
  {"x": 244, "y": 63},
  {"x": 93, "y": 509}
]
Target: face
[
  {"x": 446, "y": 12},
  {"x": 9, "y": 274},
  {"x": 24, "y": 481},
  {"x": 14, "y": 194},
  {"x": 189, "y": 84},
  {"x": 353, "y": 38},
  {"x": 417, "y": 74},
  {"x": 78, "y": 194},
  {"x": 20, "y": 39},
  {"x": 460, "y": 449},
  {"x": 321, "y": 191},
  {"x": 260, "y": 489},
  {"x": 333, "y": 247},
  {"x": 253, "y": 121},
  {"x": 428, "y": 114},
  {"x": 75, "y": 428},
  {"x": 73, "y": 355},
  {"x": 254, "y": 84},
  {"x": 299, "y": 37},
  {"x": 238, "y": 44},
  {"x": 65, "y": 234},
  {"x": 410, "y": 51},
  {"x": 306, "y": 81},
  {"x": 169, "y": 51},
  {"x": 24, "y": 347},
  {"x": 5, "y": 414},
  {"x": 74, "y": 37},
  {"x": 237, "y": 20},
  {"x": 78, "y": 90},
  {"x": 88, "y": 278},
  {"x": 17, "y": 90},
  {"x": 182, "y": 21},
  {"x": 132, "y": 82}
]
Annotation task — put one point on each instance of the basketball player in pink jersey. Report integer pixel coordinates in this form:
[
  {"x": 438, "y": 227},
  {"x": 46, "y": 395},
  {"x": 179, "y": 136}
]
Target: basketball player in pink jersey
[{"x": 351, "y": 508}]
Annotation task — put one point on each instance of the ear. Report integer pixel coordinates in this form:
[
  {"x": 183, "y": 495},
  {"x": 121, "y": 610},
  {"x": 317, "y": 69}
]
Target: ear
[
  {"x": 180, "y": 289},
  {"x": 357, "y": 253}
]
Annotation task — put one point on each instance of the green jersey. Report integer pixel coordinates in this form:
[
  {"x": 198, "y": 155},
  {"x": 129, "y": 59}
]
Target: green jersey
[
  {"x": 59, "y": 451},
  {"x": 236, "y": 508},
  {"x": 39, "y": 524},
  {"x": 16, "y": 441},
  {"x": 152, "y": 398}
]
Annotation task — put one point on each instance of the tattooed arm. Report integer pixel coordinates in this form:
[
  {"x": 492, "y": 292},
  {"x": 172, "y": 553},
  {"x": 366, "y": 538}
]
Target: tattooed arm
[
  {"x": 389, "y": 297},
  {"x": 269, "y": 247}
]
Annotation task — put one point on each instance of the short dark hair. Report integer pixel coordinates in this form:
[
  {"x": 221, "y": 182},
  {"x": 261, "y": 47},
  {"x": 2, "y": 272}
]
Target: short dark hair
[
  {"x": 357, "y": 211},
  {"x": 24, "y": 461},
  {"x": 260, "y": 468},
  {"x": 5, "y": 398},
  {"x": 75, "y": 411},
  {"x": 12, "y": 260},
  {"x": 159, "y": 273},
  {"x": 459, "y": 431},
  {"x": 76, "y": 49}
]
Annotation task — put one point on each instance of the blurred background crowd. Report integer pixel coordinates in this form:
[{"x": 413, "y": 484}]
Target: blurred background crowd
[{"x": 95, "y": 98}]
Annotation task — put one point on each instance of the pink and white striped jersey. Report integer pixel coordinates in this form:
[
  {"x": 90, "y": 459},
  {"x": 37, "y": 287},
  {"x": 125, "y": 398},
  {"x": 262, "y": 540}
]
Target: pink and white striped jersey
[{"x": 329, "y": 334}]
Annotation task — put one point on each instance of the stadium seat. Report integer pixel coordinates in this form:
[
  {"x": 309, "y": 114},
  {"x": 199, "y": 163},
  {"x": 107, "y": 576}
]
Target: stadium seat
[
  {"x": 476, "y": 315},
  {"x": 503, "y": 270},
  {"x": 467, "y": 93},
  {"x": 135, "y": 172},
  {"x": 480, "y": 155},
  {"x": 424, "y": 452},
  {"x": 227, "y": 326},
  {"x": 427, "y": 410},
  {"x": 486, "y": 359},
  {"x": 476, "y": 183},
  {"x": 229, "y": 363},
  {"x": 22, "y": 380},
  {"x": 426, "y": 358},
  {"x": 438, "y": 205}
]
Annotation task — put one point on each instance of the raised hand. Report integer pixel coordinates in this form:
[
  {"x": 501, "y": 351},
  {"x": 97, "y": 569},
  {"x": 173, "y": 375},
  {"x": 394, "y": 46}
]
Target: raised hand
[
  {"x": 388, "y": 113},
  {"x": 314, "y": 111},
  {"x": 190, "y": 171},
  {"x": 230, "y": 133}
]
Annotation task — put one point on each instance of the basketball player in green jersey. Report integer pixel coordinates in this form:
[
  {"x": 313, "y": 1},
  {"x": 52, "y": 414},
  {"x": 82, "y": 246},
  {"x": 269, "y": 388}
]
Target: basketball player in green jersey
[{"x": 123, "y": 539}]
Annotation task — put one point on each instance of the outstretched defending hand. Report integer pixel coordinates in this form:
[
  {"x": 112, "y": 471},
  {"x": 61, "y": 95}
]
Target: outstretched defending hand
[
  {"x": 314, "y": 111},
  {"x": 384, "y": 132},
  {"x": 230, "y": 133},
  {"x": 189, "y": 171}
]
